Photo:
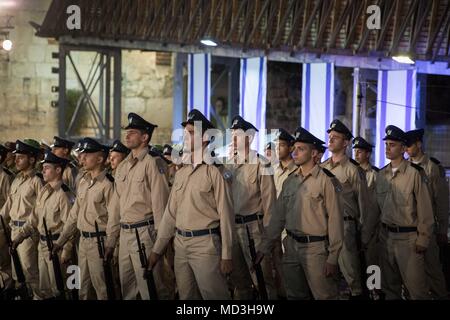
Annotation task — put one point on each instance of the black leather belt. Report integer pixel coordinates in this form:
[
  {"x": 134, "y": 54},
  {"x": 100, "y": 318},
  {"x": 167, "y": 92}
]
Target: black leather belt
[
  {"x": 306, "y": 239},
  {"x": 136, "y": 225},
  {"x": 240, "y": 219},
  {"x": 18, "y": 223},
  {"x": 198, "y": 233},
  {"x": 54, "y": 237},
  {"x": 399, "y": 229},
  {"x": 349, "y": 218},
  {"x": 93, "y": 234}
]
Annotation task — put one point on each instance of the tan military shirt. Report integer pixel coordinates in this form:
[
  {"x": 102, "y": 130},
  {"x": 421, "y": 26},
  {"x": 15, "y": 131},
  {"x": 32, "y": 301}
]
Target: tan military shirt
[
  {"x": 93, "y": 202},
  {"x": 141, "y": 192},
  {"x": 438, "y": 192},
  {"x": 252, "y": 186},
  {"x": 404, "y": 200},
  {"x": 354, "y": 193},
  {"x": 53, "y": 204},
  {"x": 200, "y": 199},
  {"x": 281, "y": 173},
  {"x": 308, "y": 205},
  {"x": 22, "y": 196},
  {"x": 70, "y": 176},
  {"x": 6, "y": 178}
]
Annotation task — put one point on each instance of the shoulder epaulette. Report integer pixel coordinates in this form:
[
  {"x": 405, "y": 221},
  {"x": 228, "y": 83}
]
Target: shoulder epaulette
[
  {"x": 8, "y": 172},
  {"x": 65, "y": 188},
  {"x": 39, "y": 175},
  {"x": 153, "y": 153},
  {"x": 110, "y": 177},
  {"x": 436, "y": 161},
  {"x": 354, "y": 162},
  {"x": 416, "y": 166},
  {"x": 336, "y": 184},
  {"x": 375, "y": 168}
]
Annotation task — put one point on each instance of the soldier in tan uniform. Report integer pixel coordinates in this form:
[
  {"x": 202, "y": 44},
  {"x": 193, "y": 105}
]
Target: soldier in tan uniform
[
  {"x": 254, "y": 194},
  {"x": 370, "y": 241},
  {"x": 354, "y": 198},
  {"x": 62, "y": 149},
  {"x": 6, "y": 178},
  {"x": 141, "y": 194},
  {"x": 172, "y": 169},
  {"x": 117, "y": 154},
  {"x": 80, "y": 162},
  {"x": 439, "y": 197},
  {"x": 406, "y": 221},
  {"x": 200, "y": 214},
  {"x": 320, "y": 152},
  {"x": 53, "y": 204},
  {"x": 19, "y": 206},
  {"x": 93, "y": 202},
  {"x": 285, "y": 166},
  {"x": 309, "y": 208}
]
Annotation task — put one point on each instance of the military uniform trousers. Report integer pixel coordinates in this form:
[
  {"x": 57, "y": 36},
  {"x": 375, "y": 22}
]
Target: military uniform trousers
[
  {"x": 47, "y": 281},
  {"x": 28, "y": 255},
  {"x": 242, "y": 279},
  {"x": 400, "y": 264},
  {"x": 130, "y": 269},
  {"x": 91, "y": 270},
  {"x": 197, "y": 268},
  {"x": 303, "y": 266},
  {"x": 348, "y": 260}
]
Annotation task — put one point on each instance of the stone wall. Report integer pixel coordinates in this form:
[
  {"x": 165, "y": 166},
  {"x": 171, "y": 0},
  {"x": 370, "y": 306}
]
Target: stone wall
[{"x": 26, "y": 80}]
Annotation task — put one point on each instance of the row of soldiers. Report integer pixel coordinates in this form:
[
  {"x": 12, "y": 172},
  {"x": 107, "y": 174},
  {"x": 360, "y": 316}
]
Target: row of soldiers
[{"x": 240, "y": 228}]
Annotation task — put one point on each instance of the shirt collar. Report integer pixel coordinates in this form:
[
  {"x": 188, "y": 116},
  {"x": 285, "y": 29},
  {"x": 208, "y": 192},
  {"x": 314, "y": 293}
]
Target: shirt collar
[{"x": 140, "y": 156}]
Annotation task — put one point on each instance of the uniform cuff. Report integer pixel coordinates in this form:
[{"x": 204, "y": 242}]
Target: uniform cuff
[
  {"x": 227, "y": 252},
  {"x": 423, "y": 241},
  {"x": 332, "y": 259}
]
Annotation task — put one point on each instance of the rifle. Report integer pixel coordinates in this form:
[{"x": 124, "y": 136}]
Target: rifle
[
  {"x": 22, "y": 290},
  {"x": 110, "y": 291},
  {"x": 55, "y": 261},
  {"x": 148, "y": 274},
  {"x": 362, "y": 262},
  {"x": 258, "y": 270}
]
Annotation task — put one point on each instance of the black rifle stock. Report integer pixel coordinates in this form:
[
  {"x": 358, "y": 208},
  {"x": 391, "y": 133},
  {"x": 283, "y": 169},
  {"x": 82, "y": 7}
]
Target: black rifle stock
[
  {"x": 110, "y": 291},
  {"x": 258, "y": 270},
  {"x": 148, "y": 274}
]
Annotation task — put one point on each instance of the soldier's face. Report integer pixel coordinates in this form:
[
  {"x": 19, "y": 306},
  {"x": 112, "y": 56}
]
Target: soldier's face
[
  {"x": 23, "y": 162},
  {"x": 50, "y": 172},
  {"x": 303, "y": 153},
  {"x": 10, "y": 158},
  {"x": 414, "y": 149},
  {"x": 283, "y": 149},
  {"x": 318, "y": 158},
  {"x": 81, "y": 157},
  {"x": 134, "y": 138},
  {"x": 362, "y": 156},
  {"x": 92, "y": 160},
  {"x": 60, "y": 152},
  {"x": 394, "y": 149},
  {"x": 337, "y": 141},
  {"x": 240, "y": 140},
  {"x": 115, "y": 158}
]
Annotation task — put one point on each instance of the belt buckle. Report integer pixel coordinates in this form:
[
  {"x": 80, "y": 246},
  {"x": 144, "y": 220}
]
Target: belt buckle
[{"x": 307, "y": 239}]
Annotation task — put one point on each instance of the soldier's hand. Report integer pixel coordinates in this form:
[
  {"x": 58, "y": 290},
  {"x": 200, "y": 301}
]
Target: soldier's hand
[
  {"x": 442, "y": 239},
  {"x": 56, "y": 248},
  {"x": 109, "y": 253},
  {"x": 258, "y": 259},
  {"x": 15, "y": 244},
  {"x": 330, "y": 270},
  {"x": 226, "y": 266},
  {"x": 153, "y": 259},
  {"x": 420, "y": 249},
  {"x": 66, "y": 258}
]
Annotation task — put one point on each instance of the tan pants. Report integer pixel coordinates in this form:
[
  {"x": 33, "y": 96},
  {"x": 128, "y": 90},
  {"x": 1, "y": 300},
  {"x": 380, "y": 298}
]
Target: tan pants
[
  {"x": 130, "y": 268},
  {"x": 28, "y": 255},
  {"x": 242, "y": 279},
  {"x": 91, "y": 270},
  {"x": 373, "y": 250},
  {"x": 433, "y": 270},
  {"x": 197, "y": 268},
  {"x": 348, "y": 260},
  {"x": 47, "y": 281},
  {"x": 303, "y": 265},
  {"x": 400, "y": 264}
]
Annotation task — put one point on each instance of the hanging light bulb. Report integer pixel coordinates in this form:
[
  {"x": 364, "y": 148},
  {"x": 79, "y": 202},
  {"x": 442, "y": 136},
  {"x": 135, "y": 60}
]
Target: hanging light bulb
[{"x": 7, "y": 45}]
